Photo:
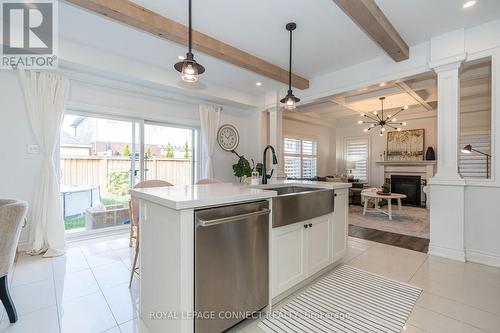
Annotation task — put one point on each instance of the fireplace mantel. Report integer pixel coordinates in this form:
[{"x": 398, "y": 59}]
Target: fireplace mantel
[
  {"x": 407, "y": 163},
  {"x": 424, "y": 169}
]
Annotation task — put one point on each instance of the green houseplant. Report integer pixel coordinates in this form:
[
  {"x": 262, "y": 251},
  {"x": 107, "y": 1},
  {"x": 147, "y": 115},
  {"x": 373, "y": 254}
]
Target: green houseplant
[{"x": 243, "y": 169}]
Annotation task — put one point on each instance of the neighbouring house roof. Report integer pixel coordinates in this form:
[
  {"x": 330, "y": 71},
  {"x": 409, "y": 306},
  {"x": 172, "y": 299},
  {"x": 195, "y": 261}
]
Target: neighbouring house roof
[{"x": 67, "y": 139}]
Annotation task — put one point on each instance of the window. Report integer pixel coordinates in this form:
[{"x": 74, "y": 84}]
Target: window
[
  {"x": 474, "y": 158},
  {"x": 475, "y": 165},
  {"x": 357, "y": 150},
  {"x": 301, "y": 158}
]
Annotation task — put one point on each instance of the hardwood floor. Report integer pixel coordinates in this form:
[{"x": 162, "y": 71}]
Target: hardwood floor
[{"x": 390, "y": 238}]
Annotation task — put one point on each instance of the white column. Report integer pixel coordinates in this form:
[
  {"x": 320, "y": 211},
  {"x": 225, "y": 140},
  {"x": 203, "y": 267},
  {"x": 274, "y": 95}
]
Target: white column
[
  {"x": 447, "y": 213},
  {"x": 276, "y": 140},
  {"x": 448, "y": 118}
]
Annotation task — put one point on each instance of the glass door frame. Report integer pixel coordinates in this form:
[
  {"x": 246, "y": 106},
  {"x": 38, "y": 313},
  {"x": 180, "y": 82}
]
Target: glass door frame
[
  {"x": 78, "y": 235},
  {"x": 195, "y": 139}
]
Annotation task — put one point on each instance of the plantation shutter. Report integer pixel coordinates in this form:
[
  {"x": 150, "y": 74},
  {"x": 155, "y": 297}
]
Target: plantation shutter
[
  {"x": 300, "y": 158},
  {"x": 356, "y": 149},
  {"x": 473, "y": 165}
]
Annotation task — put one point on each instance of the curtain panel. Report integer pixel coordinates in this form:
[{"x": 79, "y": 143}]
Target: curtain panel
[
  {"x": 46, "y": 95},
  {"x": 210, "y": 121}
]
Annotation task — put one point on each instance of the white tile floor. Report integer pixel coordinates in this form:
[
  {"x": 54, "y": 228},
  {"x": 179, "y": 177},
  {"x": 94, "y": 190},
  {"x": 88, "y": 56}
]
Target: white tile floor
[{"x": 87, "y": 290}]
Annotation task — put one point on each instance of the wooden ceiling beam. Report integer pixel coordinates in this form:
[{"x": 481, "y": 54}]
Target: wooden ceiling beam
[
  {"x": 129, "y": 13},
  {"x": 407, "y": 89},
  {"x": 368, "y": 16}
]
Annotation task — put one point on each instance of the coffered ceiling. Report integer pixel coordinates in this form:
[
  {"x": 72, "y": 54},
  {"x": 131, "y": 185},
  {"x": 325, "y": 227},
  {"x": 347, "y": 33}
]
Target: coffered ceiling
[{"x": 419, "y": 93}]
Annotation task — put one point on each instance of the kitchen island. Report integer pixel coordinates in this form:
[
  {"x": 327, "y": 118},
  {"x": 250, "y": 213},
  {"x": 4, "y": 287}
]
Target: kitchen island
[{"x": 292, "y": 254}]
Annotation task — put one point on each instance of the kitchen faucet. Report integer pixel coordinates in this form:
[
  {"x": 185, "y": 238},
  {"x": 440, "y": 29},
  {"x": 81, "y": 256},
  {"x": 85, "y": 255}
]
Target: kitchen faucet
[{"x": 265, "y": 176}]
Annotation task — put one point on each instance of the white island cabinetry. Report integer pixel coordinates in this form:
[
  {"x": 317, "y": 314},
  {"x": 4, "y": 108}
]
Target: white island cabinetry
[
  {"x": 297, "y": 253},
  {"x": 303, "y": 249}
]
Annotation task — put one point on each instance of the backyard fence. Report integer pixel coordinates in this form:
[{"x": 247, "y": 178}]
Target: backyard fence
[{"x": 96, "y": 170}]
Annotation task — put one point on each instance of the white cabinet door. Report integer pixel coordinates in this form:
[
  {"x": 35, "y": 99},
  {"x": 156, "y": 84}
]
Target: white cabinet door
[
  {"x": 319, "y": 242},
  {"x": 288, "y": 264},
  {"x": 340, "y": 222}
]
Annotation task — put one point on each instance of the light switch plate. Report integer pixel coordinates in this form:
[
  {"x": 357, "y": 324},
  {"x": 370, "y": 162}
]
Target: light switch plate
[{"x": 33, "y": 149}]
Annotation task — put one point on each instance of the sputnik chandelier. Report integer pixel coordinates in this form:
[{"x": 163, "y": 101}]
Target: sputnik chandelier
[{"x": 384, "y": 122}]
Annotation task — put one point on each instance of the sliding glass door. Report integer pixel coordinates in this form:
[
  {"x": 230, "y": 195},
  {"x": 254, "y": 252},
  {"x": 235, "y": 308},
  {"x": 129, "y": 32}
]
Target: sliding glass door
[
  {"x": 99, "y": 164},
  {"x": 102, "y": 158},
  {"x": 170, "y": 153}
]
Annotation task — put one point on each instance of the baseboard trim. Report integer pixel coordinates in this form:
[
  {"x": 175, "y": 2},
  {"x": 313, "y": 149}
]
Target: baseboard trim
[
  {"x": 339, "y": 255},
  {"x": 440, "y": 251},
  {"x": 484, "y": 258}
]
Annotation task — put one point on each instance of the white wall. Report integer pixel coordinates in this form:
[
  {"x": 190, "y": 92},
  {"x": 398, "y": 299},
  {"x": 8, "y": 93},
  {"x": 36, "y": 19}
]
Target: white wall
[
  {"x": 378, "y": 144},
  {"x": 249, "y": 128},
  {"x": 324, "y": 136},
  {"x": 18, "y": 170},
  {"x": 482, "y": 224}
]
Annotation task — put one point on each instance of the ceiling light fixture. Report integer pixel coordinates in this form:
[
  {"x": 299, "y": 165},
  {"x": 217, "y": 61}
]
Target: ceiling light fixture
[
  {"x": 188, "y": 67},
  {"x": 258, "y": 83},
  {"x": 384, "y": 123},
  {"x": 290, "y": 100},
  {"x": 469, "y": 4}
]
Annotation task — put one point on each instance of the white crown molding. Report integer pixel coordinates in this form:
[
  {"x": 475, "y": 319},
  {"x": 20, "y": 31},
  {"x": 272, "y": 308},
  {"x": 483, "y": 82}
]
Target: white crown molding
[{"x": 448, "y": 63}]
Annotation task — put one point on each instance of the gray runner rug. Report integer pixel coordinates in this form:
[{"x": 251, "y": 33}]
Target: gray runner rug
[{"x": 346, "y": 300}]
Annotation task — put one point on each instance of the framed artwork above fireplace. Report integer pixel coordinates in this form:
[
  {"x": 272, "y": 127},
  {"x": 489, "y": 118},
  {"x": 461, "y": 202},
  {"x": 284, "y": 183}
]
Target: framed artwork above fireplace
[{"x": 406, "y": 145}]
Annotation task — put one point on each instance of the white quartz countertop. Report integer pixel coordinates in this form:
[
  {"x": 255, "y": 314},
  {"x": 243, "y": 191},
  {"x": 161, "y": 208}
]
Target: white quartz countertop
[{"x": 198, "y": 196}]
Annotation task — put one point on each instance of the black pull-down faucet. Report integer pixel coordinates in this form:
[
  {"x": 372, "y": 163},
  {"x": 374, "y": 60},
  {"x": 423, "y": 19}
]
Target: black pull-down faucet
[{"x": 265, "y": 176}]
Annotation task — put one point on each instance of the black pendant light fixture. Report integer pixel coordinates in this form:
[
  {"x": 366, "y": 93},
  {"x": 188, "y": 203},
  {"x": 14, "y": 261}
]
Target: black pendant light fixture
[
  {"x": 377, "y": 119},
  {"x": 290, "y": 100},
  {"x": 188, "y": 67}
]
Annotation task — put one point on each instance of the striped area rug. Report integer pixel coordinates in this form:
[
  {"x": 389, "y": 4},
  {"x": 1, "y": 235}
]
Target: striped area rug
[{"x": 347, "y": 300}]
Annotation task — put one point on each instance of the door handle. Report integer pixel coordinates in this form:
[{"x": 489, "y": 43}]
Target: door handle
[{"x": 208, "y": 223}]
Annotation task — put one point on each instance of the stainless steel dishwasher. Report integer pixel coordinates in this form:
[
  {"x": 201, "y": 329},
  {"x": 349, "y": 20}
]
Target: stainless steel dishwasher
[{"x": 231, "y": 264}]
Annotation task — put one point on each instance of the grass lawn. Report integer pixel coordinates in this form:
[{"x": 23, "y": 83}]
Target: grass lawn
[
  {"x": 78, "y": 222},
  {"x": 74, "y": 222},
  {"x": 115, "y": 201}
]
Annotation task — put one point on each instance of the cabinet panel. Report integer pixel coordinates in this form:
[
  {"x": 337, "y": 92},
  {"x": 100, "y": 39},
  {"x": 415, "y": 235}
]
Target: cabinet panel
[
  {"x": 319, "y": 244},
  {"x": 340, "y": 222},
  {"x": 289, "y": 266}
]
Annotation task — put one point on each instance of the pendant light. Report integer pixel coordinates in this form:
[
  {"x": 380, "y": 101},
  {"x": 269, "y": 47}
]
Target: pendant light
[
  {"x": 290, "y": 100},
  {"x": 188, "y": 67}
]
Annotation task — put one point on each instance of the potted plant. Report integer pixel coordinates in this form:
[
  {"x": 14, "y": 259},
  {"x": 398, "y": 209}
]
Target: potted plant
[{"x": 242, "y": 168}]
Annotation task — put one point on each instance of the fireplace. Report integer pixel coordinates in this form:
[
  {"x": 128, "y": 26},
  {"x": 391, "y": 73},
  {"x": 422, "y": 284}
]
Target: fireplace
[{"x": 408, "y": 185}]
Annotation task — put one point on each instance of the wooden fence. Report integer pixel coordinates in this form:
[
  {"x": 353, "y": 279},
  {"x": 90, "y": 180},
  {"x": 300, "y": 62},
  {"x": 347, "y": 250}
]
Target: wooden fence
[{"x": 94, "y": 171}]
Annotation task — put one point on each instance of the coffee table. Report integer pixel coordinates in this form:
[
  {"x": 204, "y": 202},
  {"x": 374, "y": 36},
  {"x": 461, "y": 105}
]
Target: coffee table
[{"x": 372, "y": 195}]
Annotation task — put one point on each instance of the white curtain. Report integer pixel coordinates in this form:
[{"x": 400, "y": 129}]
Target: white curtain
[
  {"x": 46, "y": 95},
  {"x": 209, "y": 118}
]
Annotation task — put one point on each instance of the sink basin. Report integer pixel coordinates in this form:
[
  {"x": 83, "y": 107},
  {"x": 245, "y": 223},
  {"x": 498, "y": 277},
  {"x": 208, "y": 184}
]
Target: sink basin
[
  {"x": 295, "y": 204},
  {"x": 292, "y": 189}
]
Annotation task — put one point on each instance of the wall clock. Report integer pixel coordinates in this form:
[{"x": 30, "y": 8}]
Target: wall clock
[{"x": 228, "y": 137}]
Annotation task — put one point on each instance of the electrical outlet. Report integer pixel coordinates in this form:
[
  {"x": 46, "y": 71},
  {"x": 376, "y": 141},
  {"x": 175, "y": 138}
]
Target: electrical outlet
[{"x": 33, "y": 149}]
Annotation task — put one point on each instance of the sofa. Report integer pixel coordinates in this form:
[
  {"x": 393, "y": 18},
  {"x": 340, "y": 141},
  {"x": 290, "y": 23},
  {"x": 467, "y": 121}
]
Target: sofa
[{"x": 354, "y": 191}]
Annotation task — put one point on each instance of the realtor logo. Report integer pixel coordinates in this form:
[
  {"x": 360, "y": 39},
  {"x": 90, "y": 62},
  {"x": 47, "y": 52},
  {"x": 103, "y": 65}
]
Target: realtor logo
[{"x": 28, "y": 34}]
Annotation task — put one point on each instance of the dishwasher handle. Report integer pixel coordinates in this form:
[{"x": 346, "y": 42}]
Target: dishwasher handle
[{"x": 208, "y": 223}]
